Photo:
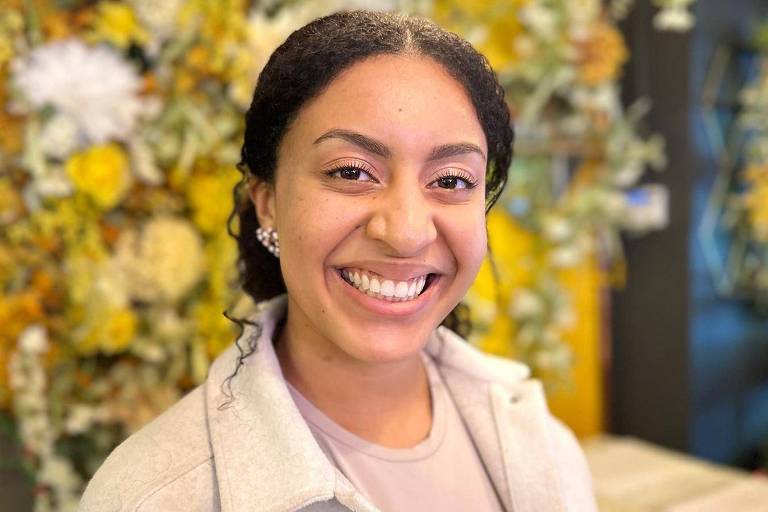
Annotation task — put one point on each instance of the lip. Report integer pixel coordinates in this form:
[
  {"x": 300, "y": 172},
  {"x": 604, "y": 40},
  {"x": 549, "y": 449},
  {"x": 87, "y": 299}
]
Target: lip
[{"x": 383, "y": 307}]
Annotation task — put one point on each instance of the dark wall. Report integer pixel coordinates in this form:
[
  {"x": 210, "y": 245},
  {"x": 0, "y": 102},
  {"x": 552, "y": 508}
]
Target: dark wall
[
  {"x": 691, "y": 367},
  {"x": 650, "y": 396}
]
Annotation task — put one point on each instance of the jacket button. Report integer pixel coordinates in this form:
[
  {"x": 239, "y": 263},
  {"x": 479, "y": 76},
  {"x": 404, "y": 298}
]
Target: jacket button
[{"x": 514, "y": 399}]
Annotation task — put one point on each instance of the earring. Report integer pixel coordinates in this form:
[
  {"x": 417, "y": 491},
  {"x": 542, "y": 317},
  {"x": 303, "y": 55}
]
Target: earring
[{"x": 268, "y": 238}]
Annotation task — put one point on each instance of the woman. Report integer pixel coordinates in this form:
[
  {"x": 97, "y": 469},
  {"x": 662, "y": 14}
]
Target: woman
[{"x": 374, "y": 145}]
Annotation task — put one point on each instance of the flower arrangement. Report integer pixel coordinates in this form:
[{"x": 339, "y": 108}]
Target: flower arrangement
[
  {"x": 121, "y": 132},
  {"x": 578, "y": 160}
]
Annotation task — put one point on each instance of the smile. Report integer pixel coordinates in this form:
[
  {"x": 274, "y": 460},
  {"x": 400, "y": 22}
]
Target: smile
[{"x": 380, "y": 287}]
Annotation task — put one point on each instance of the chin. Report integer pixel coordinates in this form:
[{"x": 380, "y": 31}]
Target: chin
[{"x": 383, "y": 343}]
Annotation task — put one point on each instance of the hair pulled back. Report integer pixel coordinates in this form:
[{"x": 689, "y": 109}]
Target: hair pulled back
[{"x": 305, "y": 64}]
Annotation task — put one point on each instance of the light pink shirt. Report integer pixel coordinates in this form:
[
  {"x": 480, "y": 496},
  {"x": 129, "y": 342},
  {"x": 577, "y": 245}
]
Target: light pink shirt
[{"x": 443, "y": 472}]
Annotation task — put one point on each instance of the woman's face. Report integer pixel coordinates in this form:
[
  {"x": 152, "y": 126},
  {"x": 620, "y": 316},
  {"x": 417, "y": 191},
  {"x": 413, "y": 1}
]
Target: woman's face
[{"x": 379, "y": 194}]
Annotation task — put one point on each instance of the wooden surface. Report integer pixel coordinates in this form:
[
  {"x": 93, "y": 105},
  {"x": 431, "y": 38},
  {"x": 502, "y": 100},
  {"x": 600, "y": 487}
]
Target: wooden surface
[{"x": 631, "y": 475}]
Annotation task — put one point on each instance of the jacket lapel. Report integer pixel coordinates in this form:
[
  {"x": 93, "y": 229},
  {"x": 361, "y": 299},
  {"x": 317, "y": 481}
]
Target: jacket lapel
[{"x": 507, "y": 418}]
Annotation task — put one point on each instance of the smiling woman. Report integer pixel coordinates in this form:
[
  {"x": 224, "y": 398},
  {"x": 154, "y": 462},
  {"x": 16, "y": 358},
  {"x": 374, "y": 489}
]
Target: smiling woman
[{"x": 374, "y": 146}]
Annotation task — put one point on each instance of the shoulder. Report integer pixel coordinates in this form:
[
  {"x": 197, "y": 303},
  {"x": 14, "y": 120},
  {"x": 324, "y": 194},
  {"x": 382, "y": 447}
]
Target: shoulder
[
  {"x": 574, "y": 474},
  {"x": 165, "y": 465}
]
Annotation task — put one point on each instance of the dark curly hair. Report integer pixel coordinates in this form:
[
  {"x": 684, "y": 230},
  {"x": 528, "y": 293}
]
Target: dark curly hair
[{"x": 303, "y": 66}]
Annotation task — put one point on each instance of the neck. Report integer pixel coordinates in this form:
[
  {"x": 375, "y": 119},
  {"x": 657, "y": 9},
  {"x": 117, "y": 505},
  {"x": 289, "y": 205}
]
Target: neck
[{"x": 384, "y": 403}]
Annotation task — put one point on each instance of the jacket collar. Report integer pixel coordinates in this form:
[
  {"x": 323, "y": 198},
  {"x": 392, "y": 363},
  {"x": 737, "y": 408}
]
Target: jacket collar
[{"x": 266, "y": 457}]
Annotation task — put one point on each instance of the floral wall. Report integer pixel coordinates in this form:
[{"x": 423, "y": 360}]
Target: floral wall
[{"x": 121, "y": 126}]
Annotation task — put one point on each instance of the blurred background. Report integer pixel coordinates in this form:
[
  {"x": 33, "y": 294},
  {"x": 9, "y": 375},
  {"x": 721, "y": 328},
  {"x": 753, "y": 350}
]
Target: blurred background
[{"x": 630, "y": 247}]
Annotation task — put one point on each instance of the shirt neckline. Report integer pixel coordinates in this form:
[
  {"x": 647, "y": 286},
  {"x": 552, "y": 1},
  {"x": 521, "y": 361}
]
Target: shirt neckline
[{"x": 326, "y": 427}]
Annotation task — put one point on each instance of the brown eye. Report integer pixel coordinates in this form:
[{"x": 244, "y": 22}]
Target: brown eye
[
  {"x": 351, "y": 173},
  {"x": 448, "y": 182},
  {"x": 451, "y": 181}
]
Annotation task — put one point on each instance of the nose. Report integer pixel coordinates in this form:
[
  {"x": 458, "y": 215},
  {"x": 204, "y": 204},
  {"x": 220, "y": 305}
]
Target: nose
[{"x": 402, "y": 220}]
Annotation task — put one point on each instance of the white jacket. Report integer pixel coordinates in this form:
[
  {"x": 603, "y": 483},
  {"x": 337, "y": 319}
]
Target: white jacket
[{"x": 259, "y": 455}]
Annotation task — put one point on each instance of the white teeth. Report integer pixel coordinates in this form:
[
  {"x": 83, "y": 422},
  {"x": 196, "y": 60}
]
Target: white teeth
[{"x": 388, "y": 289}]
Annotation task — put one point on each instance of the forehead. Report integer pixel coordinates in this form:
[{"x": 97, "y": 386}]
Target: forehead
[{"x": 408, "y": 102}]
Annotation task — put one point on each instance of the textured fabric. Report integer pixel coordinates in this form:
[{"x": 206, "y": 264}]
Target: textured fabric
[
  {"x": 244, "y": 446},
  {"x": 414, "y": 478}
]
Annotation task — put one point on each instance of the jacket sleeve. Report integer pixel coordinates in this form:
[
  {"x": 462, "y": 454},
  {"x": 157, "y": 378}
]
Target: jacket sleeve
[{"x": 575, "y": 476}]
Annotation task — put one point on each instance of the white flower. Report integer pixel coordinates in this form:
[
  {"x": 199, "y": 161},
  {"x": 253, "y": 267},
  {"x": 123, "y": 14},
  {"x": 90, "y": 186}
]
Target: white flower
[
  {"x": 604, "y": 98},
  {"x": 524, "y": 46},
  {"x": 93, "y": 87},
  {"x": 556, "y": 358},
  {"x": 59, "y": 137},
  {"x": 675, "y": 19},
  {"x": 80, "y": 418},
  {"x": 525, "y": 304},
  {"x": 541, "y": 20},
  {"x": 566, "y": 256},
  {"x": 143, "y": 162},
  {"x": 557, "y": 228},
  {"x": 33, "y": 339},
  {"x": 582, "y": 12},
  {"x": 57, "y": 472}
]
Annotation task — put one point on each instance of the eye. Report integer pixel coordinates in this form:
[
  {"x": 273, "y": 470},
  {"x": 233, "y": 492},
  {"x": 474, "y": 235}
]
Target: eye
[
  {"x": 453, "y": 180},
  {"x": 350, "y": 172}
]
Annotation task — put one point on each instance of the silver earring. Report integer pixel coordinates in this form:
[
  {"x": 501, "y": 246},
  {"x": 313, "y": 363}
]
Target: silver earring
[{"x": 269, "y": 239}]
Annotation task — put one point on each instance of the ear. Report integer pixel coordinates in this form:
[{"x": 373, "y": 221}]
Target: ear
[{"x": 263, "y": 198}]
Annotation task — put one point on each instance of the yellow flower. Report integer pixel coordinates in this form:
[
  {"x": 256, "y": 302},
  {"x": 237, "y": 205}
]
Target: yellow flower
[
  {"x": 120, "y": 329},
  {"x": 756, "y": 201},
  {"x": 116, "y": 23},
  {"x": 213, "y": 331},
  {"x": 492, "y": 26},
  {"x": 221, "y": 26},
  {"x": 106, "y": 330},
  {"x": 210, "y": 196},
  {"x": 602, "y": 54},
  {"x": 100, "y": 173}
]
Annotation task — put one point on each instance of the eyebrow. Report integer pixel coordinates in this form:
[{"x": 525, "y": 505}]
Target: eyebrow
[{"x": 377, "y": 148}]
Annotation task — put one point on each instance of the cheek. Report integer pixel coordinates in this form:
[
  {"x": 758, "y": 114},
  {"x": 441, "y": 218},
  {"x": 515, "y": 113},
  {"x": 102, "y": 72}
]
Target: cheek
[
  {"x": 467, "y": 239},
  {"x": 311, "y": 225}
]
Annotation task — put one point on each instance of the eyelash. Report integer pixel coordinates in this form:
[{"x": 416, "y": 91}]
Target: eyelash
[{"x": 471, "y": 181}]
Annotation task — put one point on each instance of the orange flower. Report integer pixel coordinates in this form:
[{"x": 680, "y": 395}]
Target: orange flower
[
  {"x": 151, "y": 85},
  {"x": 17, "y": 312},
  {"x": 602, "y": 54},
  {"x": 11, "y": 135},
  {"x": 60, "y": 24}
]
